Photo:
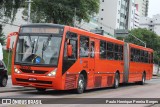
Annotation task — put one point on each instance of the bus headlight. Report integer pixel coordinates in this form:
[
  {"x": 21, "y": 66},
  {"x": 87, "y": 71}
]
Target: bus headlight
[
  {"x": 52, "y": 73},
  {"x": 16, "y": 70}
]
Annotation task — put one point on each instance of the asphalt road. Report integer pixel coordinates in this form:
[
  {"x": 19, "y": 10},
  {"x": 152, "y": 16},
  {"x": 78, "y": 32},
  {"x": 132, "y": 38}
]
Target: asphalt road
[{"x": 150, "y": 90}]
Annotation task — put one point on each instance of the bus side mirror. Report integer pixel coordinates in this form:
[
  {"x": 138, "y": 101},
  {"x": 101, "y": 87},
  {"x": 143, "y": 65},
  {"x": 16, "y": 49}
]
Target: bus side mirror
[
  {"x": 8, "y": 43},
  {"x": 69, "y": 50},
  {"x": 9, "y": 40}
]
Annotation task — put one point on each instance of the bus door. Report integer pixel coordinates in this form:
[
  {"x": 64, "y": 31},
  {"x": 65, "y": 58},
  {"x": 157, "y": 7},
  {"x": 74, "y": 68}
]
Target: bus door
[
  {"x": 87, "y": 55},
  {"x": 91, "y": 63}
]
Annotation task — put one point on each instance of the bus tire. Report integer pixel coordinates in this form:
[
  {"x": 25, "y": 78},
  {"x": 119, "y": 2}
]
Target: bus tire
[
  {"x": 143, "y": 79},
  {"x": 116, "y": 81},
  {"x": 80, "y": 84},
  {"x": 40, "y": 89}
]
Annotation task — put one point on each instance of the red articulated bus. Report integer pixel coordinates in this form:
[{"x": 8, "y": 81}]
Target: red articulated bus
[{"x": 50, "y": 56}]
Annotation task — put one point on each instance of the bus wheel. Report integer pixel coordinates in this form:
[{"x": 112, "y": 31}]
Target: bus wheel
[
  {"x": 143, "y": 79},
  {"x": 80, "y": 84},
  {"x": 116, "y": 81},
  {"x": 40, "y": 89}
]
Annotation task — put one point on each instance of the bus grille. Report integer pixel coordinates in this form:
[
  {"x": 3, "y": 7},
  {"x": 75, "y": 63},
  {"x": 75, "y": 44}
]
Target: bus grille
[
  {"x": 36, "y": 81},
  {"x": 98, "y": 80},
  {"x": 70, "y": 82},
  {"x": 33, "y": 71},
  {"x": 109, "y": 80}
]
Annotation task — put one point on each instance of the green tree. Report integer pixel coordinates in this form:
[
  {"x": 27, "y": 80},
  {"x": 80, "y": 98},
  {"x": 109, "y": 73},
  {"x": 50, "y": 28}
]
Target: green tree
[
  {"x": 2, "y": 37},
  {"x": 63, "y": 11},
  {"x": 8, "y": 8},
  {"x": 151, "y": 39}
]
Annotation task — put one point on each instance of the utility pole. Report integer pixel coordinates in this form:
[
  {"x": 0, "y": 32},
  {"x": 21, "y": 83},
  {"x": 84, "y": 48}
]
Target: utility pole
[{"x": 29, "y": 10}]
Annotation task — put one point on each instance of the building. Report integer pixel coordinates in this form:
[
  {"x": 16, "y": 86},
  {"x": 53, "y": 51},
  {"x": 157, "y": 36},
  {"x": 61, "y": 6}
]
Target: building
[
  {"x": 136, "y": 17},
  {"x": 133, "y": 16},
  {"x": 13, "y": 27},
  {"x": 142, "y": 7},
  {"x": 113, "y": 15},
  {"x": 117, "y": 14},
  {"x": 152, "y": 24}
]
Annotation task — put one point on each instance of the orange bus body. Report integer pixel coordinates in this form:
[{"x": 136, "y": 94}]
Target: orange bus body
[{"x": 98, "y": 72}]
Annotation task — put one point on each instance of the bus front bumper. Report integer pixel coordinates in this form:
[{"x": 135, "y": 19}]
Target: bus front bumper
[{"x": 35, "y": 81}]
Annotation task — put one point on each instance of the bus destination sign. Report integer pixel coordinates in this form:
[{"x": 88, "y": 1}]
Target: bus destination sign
[{"x": 40, "y": 30}]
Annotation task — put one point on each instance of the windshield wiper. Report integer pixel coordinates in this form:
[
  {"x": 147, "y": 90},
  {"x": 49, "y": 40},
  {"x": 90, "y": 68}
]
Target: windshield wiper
[
  {"x": 45, "y": 44},
  {"x": 36, "y": 47},
  {"x": 32, "y": 44}
]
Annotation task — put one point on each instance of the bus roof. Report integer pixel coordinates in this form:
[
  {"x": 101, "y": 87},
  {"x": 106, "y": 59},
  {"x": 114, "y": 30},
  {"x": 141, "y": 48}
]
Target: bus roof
[
  {"x": 85, "y": 32},
  {"x": 140, "y": 47},
  {"x": 42, "y": 24},
  {"x": 107, "y": 38},
  {"x": 97, "y": 36}
]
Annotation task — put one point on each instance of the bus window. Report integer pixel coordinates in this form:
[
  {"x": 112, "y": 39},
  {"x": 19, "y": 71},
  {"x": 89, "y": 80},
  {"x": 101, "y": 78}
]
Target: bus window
[
  {"x": 110, "y": 51},
  {"x": 142, "y": 56},
  {"x": 84, "y": 46},
  {"x": 146, "y": 56},
  {"x": 151, "y": 57},
  {"x": 92, "y": 49},
  {"x": 74, "y": 50},
  {"x": 103, "y": 49},
  {"x": 137, "y": 55},
  {"x": 38, "y": 49},
  {"x": 132, "y": 54},
  {"x": 72, "y": 40},
  {"x": 118, "y": 52},
  {"x": 121, "y": 52}
]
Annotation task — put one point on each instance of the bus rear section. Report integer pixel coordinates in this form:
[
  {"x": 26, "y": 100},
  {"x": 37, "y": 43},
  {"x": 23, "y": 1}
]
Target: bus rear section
[{"x": 138, "y": 65}]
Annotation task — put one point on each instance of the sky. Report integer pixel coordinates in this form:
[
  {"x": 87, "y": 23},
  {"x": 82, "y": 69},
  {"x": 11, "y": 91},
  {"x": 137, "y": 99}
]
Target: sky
[{"x": 154, "y": 7}]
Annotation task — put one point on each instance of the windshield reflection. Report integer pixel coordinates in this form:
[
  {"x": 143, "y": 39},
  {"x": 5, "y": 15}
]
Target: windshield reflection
[{"x": 38, "y": 49}]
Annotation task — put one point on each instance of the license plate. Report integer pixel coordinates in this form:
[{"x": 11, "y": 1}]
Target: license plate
[{"x": 32, "y": 79}]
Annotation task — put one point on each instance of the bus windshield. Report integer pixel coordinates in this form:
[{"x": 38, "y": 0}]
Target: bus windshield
[{"x": 38, "y": 49}]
